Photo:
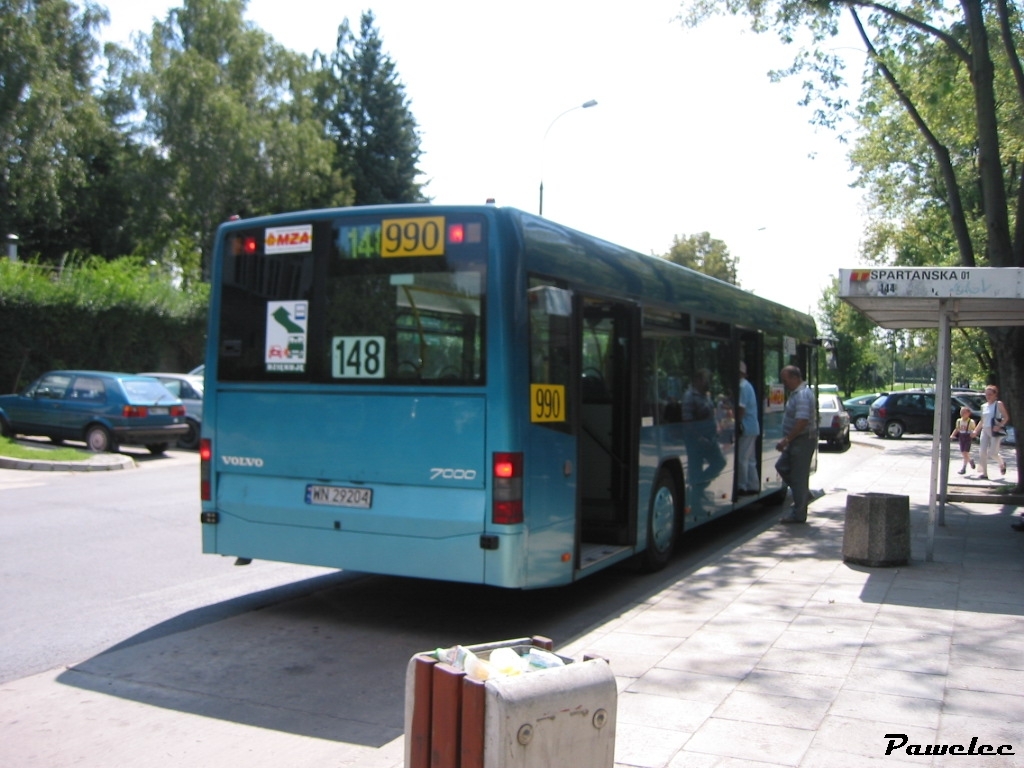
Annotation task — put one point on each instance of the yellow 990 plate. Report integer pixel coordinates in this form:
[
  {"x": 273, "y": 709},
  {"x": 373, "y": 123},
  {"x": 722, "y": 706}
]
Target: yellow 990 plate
[
  {"x": 547, "y": 402},
  {"x": 422, "y": 236}
]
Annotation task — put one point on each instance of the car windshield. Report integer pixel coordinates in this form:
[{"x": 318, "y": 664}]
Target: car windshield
[
  {"x": 971, "y": 401},
  {"x": 146, "y": 391}
]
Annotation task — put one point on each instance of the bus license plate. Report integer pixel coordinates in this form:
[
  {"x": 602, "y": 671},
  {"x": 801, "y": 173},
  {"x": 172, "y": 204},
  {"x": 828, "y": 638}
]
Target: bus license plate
[{"x": 338, "y": 496}]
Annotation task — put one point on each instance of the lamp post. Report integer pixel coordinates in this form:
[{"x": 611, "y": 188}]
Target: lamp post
[{"x": 584, "y": 105}]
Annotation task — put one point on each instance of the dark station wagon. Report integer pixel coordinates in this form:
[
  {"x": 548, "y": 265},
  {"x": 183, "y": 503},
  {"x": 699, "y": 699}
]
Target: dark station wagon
[{"x": 101, "y": 408}]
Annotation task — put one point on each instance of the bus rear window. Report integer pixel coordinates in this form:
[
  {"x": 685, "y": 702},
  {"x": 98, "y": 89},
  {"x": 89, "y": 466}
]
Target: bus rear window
[{"x": 357, "y": 300}]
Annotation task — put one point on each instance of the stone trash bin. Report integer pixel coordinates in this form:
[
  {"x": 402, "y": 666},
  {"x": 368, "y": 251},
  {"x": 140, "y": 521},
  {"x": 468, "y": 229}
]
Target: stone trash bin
[{"x": 877, "y": 529}]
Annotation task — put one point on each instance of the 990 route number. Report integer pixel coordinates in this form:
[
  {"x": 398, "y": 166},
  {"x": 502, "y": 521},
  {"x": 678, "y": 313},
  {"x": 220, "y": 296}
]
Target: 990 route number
[{"x": 547, "y": 402}]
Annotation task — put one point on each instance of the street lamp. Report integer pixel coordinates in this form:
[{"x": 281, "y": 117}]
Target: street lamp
[{"x": 584, "y": 105}]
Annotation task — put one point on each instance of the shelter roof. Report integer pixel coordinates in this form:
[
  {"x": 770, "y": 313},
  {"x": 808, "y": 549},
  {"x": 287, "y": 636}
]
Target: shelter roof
[{"x": 913, "y": 297}]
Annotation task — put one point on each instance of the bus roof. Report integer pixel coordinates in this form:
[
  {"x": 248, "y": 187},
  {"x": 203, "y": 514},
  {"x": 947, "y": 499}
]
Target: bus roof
[{"x": 558, "y": 250}]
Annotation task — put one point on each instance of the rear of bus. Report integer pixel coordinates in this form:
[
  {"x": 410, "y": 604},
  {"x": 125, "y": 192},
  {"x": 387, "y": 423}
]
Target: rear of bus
[{"x": 348, "y": 378}]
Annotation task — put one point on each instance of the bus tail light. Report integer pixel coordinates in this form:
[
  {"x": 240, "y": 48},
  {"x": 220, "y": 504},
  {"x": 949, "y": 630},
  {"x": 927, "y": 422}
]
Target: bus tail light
[
  {"x": 507, "y": 495},
  {"x": 205, "y": 455}
]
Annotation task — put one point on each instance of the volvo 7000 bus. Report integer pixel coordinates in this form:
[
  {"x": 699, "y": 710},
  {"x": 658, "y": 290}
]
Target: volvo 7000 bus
[{"x": 474, "y": 394}]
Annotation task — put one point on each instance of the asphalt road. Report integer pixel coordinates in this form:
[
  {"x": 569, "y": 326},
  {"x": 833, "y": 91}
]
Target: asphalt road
[{"x": 102, "y": 574}]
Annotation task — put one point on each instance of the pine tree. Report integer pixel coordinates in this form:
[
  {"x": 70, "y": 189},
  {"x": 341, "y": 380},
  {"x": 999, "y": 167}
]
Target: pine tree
[{"x": 367, "y": 114}]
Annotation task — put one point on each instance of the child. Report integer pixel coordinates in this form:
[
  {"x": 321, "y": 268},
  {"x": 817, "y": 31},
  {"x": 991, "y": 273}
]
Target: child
[{"x": 963, "y": 431}]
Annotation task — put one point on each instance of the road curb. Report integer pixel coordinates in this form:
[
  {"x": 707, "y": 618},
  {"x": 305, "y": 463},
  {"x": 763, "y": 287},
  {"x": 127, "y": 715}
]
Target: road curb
[{"x": 99, "y": 463}]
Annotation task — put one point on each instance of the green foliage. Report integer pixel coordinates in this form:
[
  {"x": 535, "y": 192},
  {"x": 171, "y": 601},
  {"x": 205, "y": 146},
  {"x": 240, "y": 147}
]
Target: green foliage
[
  {"x": 232, "y": 111},
  {"x": 366, "y": 112},
  {"x": 852, "y": 342},
  {"x": 53, "y": 138},
  {"x": 704, "y": 254},
  {"x": 147, "y": 151},
  {"x": 940, "y": 146},
  {"x": 119, "y": 315}
]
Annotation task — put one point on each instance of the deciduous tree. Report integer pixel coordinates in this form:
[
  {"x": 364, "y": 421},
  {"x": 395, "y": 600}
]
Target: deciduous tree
[
  {"x": 231, "y": 113},
  {"x": 942, "y": 105},
  {"x": 703, "y": 253},
  {"x": 55, "y": 144}
]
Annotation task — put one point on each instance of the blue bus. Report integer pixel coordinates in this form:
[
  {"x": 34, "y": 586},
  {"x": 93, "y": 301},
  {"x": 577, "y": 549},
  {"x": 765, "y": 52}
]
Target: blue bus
[{"x": 474, "y": 394}]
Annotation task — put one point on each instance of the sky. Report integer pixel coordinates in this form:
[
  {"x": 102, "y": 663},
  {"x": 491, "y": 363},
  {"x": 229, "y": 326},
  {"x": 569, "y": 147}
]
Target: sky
[{"x": 688, "y": 134}]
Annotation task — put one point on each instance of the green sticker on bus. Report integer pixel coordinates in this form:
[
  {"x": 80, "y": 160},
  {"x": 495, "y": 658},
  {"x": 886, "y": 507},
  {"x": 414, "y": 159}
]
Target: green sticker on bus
[{"x": 547, "y": 402}]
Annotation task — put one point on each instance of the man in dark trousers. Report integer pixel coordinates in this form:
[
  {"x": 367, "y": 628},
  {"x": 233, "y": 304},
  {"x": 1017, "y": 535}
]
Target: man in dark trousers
[{"x": 799, "y": 439}]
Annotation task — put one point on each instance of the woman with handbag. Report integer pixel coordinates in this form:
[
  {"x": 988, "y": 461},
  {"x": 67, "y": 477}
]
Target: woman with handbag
[{"x": 992, "y": 427}]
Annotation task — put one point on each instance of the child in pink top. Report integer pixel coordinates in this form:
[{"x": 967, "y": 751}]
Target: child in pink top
[{"x": 963, "y": 431}]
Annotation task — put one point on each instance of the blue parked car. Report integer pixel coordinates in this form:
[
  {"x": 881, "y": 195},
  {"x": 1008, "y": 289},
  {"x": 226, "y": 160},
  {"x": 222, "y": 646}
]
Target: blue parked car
[{"x": 101, "y": 408}]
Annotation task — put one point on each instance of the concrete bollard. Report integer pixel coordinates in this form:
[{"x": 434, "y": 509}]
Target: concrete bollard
[{"x": 877, "y": 529}]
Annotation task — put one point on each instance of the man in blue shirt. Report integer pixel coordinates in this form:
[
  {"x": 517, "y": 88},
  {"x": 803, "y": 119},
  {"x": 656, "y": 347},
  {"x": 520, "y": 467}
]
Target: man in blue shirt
[
  {"x": 799, "y": 440},
  {"x": 747, "y": 481}
]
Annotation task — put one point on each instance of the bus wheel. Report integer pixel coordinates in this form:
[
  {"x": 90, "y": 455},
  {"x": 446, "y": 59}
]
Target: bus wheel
[{"x": 662, "y": 523}]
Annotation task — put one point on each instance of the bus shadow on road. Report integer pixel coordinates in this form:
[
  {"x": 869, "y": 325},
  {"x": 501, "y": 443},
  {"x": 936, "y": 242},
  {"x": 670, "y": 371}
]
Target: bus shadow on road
[{"x": 326, "y": 657}]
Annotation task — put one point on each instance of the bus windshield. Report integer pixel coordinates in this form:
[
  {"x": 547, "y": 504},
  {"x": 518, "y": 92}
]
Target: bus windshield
[{"x": 350, "y": 311}]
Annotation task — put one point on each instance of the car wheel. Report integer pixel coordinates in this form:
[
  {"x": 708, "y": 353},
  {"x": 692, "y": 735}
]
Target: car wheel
[
  {"x": 894, "y": 429},
  {"x": 190, "y": 440},
  {"x": 5, "y": 428},
  {"x": 157, "y": 448},
  {"x": 861, "y": 424},
  {"x": 662, "y": 523},
  {"x": 99, "y": 440}
]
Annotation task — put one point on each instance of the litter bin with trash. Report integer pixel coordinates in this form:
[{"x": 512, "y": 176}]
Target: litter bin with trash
[{"x": 510, "y": 704}]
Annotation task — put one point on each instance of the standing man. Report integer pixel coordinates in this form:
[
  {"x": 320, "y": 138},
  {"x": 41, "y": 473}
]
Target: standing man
[
  {"x": 799, "y": 439},
  {"x": 747, "y": 482}
]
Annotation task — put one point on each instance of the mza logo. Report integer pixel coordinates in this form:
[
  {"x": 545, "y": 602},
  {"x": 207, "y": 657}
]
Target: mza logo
[{"x": 288, "y": 239}]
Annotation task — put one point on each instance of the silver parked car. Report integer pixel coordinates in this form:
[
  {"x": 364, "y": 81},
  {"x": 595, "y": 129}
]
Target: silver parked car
[
  {"x": 189, "y": 389},
  {"x": 833, "y": 421}
]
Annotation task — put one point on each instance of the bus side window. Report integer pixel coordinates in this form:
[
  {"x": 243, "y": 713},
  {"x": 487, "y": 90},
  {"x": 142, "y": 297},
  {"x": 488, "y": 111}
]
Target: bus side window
[{"x": 550, "y": 309}]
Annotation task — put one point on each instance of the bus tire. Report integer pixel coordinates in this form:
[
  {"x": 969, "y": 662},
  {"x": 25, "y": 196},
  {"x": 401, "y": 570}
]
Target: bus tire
[{"x": 663, "y": 522}]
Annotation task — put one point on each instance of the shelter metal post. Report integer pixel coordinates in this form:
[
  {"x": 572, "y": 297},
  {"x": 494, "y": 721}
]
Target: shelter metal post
[{"x": 940, "y": 434}]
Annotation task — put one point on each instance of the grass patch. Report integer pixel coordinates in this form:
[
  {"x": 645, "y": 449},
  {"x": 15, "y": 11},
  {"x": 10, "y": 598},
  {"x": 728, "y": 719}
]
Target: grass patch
[{"x": 12, "y": 449}]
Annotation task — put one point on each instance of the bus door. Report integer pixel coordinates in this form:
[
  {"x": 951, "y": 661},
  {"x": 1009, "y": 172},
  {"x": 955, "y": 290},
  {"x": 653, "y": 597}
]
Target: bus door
[
  {"x": 608, "y": 358},
  {"x": 581, "y": 446},
  {"x": 550, "y": 460}
]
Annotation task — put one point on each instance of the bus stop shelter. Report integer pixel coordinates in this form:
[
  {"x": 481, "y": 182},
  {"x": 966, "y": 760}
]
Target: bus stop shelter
[{"x": 943, "y": 298}]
